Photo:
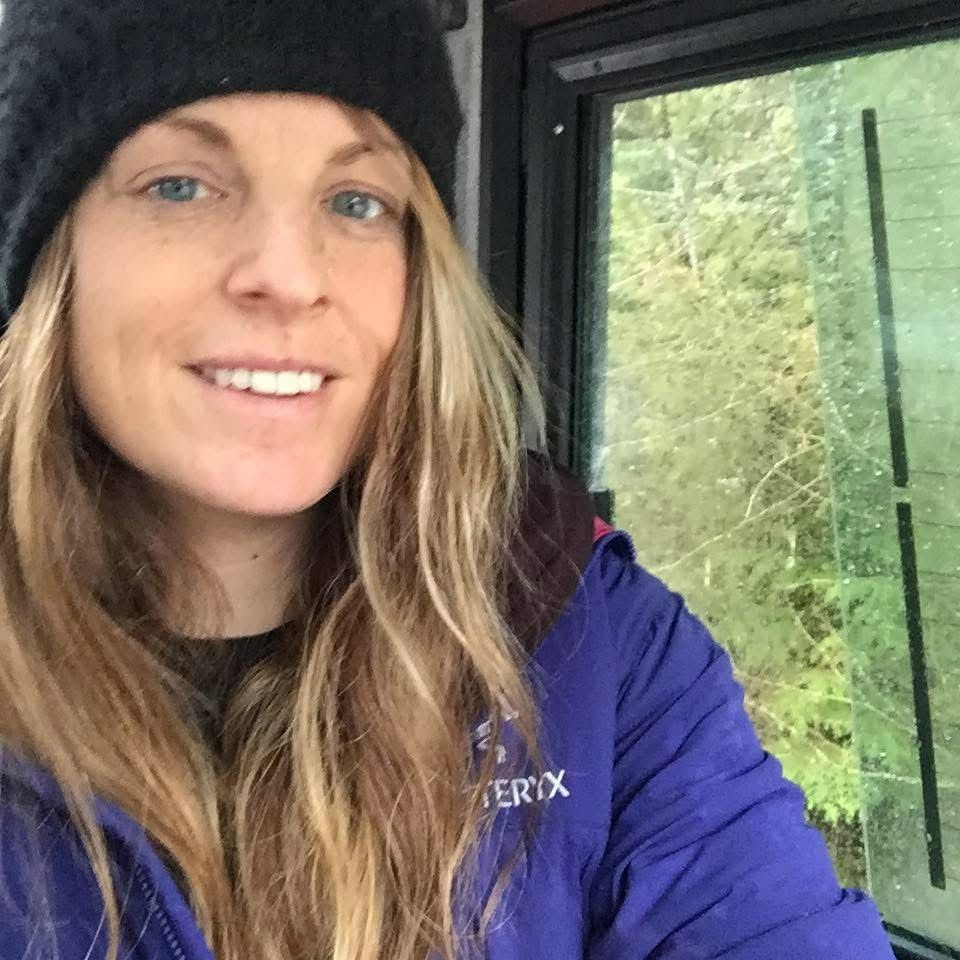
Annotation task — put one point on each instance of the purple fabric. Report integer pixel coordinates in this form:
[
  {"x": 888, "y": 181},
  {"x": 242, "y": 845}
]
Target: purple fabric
[{"x": 667, "y": 834}]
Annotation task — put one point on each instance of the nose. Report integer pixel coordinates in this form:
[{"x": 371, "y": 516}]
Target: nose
[{"x": 281, "y": 266}]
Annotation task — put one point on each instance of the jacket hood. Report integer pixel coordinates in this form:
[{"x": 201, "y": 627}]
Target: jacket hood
[{"x": 553, "y": 547}]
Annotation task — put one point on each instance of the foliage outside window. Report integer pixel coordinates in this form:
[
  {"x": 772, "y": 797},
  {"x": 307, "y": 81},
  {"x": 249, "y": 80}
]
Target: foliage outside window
[{"x": 746, "y": 429}]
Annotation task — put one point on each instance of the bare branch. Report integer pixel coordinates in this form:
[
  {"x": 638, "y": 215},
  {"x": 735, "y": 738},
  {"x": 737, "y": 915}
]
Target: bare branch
[
  {"x": 780, "y": 463},
  {"x": 743, "y": 523}
]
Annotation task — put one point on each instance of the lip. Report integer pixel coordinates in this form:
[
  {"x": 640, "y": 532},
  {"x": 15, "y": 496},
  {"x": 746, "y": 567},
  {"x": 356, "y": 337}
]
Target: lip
[
  {"x": 251, "y": 362},
  {"x": 275, "y": 408}
]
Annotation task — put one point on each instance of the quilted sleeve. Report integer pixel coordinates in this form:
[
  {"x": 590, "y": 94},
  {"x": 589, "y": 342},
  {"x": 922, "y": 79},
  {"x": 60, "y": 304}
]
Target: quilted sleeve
[{"x": 709, "y": 853}]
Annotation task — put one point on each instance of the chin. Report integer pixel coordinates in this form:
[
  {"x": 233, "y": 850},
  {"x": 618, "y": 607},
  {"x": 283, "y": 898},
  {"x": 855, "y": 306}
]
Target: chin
[
  {"x": 273, "y": 496},
  {"x": 268, "y": 503}
]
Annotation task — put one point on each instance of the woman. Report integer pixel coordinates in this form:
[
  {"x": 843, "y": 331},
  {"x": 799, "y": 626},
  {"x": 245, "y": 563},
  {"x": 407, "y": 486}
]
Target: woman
[{"x": 302, "y": 655}]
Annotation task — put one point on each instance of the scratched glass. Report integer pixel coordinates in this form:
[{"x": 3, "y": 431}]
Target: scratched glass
[{"x": 775, "y": 355}]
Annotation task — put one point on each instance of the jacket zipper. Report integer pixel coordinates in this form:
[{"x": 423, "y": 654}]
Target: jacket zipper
[{"x": 155, "y": 910}]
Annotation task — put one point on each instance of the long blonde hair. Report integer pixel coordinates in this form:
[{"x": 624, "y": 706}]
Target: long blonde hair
[{"x": 342, "y": 818}]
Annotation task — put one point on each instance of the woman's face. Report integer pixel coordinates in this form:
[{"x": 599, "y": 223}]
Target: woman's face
[{"x": 240, "y": 272}]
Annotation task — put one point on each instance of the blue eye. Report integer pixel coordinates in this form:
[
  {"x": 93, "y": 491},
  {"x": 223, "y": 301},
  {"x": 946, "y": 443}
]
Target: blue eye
[
  {"x": 358, "y": 205},
  {"x": 176, "y": 189}
]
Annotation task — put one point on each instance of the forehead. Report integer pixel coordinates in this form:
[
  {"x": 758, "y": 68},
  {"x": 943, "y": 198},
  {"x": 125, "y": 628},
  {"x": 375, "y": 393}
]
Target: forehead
[{"x": 262, "y": 119}]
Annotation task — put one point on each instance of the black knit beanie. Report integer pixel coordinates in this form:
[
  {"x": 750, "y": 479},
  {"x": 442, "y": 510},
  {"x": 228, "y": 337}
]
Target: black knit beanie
[{"x": 78, "y": 76}]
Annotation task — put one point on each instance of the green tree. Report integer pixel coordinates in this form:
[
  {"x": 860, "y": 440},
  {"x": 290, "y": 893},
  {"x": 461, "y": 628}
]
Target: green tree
[{"x": 714, "y": 421}]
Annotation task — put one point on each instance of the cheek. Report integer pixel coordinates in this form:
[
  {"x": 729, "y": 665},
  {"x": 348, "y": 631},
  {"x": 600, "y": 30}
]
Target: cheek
[
  {"x": 106, "y": 367},
  {"x": 103, "y": 336},
  {"x": 125, "y": 294},
  {"x": 97, "y": 333},
  {"x": 130, "y": 286},
  {"x": 376, "y": 287}
]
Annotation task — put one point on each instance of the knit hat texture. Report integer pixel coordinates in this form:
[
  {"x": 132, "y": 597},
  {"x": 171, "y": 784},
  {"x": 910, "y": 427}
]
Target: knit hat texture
[{"x": 78, "y": 76}]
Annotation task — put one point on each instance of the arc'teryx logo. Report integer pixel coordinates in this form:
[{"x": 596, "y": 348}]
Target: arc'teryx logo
[{"x": 512, "y": 791}]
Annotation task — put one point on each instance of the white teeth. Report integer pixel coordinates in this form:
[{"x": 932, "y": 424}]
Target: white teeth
[
  {"x": 263, "y": 381},
  {"x": 286, "y": 383},
  {"x": 310, "y": 382}
]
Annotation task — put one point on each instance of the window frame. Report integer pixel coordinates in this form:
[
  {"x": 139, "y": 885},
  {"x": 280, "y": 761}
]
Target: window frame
[
  {"x": 546, "y": 91},
  {"x": 537, "y": 186}
]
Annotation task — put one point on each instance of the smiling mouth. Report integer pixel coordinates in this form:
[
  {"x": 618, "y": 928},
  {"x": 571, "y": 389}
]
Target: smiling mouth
[{"x": 263, "y": 383}]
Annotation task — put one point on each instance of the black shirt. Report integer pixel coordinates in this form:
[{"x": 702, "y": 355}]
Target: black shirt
[{"x": 215, "y": 668}]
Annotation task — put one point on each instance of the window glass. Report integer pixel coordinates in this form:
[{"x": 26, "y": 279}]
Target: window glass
[{"x": 776, "y": 386}]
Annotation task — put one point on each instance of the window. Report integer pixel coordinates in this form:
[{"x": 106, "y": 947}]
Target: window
[
  {"x": 742, "y": 270},
  {"x": 781, "y": 428}
]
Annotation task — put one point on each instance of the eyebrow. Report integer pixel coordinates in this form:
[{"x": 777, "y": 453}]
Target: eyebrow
[{"x": 214, "y": 135}]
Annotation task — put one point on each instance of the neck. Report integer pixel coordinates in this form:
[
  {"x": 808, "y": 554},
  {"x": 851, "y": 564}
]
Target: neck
[{"x": 255, "y": 560}]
